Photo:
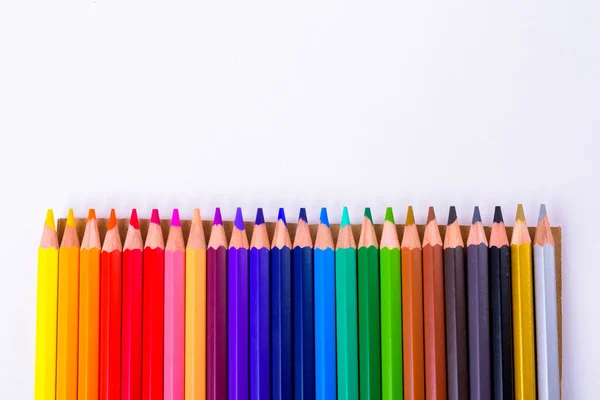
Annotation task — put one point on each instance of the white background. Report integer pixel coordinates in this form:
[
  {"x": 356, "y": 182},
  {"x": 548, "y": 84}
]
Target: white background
[{"x": 311, "y": 103}]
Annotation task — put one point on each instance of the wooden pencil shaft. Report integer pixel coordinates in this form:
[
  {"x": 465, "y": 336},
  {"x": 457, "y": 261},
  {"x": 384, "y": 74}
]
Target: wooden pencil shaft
[
  {"x": 216, "y": 323},
  {"x": 260, "y": 324},
  {"x": 174, "y": 325}
]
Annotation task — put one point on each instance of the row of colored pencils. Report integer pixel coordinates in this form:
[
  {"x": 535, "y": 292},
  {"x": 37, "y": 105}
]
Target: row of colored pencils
[{"x": 385, "y": 319}]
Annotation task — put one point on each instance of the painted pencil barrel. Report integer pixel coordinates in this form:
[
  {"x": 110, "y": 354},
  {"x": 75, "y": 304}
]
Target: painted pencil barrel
[
  {"x": 46, "y": 325},
  {"x": 174, "y": 325},
  {"x": 548, "y": 379},
  {"x": 346, "y": 323},
  {"x": 238, "y": 323},
  {"x": 304, "y": 339},
  {"x": 391, "y": 325},
  {"x": 368, "y": 321},
  {"x": 260, "y": 328},
  {"x": 325, "y": 316},
  {"x": 216, "y": 323}
]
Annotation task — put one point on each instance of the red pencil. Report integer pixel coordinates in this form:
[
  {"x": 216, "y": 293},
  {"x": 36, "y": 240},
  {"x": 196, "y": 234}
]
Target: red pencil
[
  {"x": 153, "y": 311},
  {"x": 131, "y": 330},
  {"x": 110, "y": 312}
]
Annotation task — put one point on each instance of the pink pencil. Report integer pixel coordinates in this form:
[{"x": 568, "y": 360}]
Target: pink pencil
[{"x": 174, "y": 362}]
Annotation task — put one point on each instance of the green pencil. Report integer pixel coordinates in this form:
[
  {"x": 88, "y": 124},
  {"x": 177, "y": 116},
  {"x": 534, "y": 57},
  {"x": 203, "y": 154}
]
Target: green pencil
[
  {"x": 346, "y": 321},
  {"x": 368, "y": 311},
  {"x": 391, "y": 310}
]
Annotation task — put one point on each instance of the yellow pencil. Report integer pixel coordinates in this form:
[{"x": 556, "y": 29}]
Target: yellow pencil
[
  {"x": 68, "y": 309},
  {"x": 47, "y": 301},
  {"x": 522, "y": 294},
  {"x": 195, "y": 312}
]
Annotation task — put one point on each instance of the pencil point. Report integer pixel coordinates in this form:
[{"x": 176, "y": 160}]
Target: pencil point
[
  {"x": 281, "y": 216},
  {"x": 302, "y": 215},
  {"x": 389, "y": 215},
  {"x": 133, "y": 220},
  {"x": 217, "y": 220},
  {"x": 239, "y": 219},
  {"x": 50, "y": 219},
  {"x": 91, "y": 214},
  {"x": 368, "y": 214},
  {"x": 430, "y": 214},
  {"x": 345, "y": 218},
  {"x": 112, "y": 220},
  {"x": 323, "y": 218},
  {"x": 410, "y": 216},
  {"x": 175, "y": 221},
  {"x": 476, "y": 215},
  {"x": 155, "y": 219},
  {"x": 520, "y": 213},
  {"x": 71, "y": 218},
  {"x": 452, "y": 215},
  {"x": 542, "y": 212},
  {"x": 196, "y": 217},
  {"x": 498, "y": 215},
  {"x": 260, "y": 217}
]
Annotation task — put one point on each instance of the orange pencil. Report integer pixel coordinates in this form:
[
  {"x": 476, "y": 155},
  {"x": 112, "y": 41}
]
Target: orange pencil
[
  {"x": 89, "y": 310},
  {"x": 68, "y": 303}
]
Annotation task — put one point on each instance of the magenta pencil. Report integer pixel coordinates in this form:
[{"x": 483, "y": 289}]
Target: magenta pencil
[
  {"x": 216, "y": 311},
  {"x": 174, "y": 312}
]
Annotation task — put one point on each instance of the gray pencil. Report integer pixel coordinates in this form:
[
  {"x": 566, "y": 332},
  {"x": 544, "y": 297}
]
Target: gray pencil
[{"x": 546, "y": 324}]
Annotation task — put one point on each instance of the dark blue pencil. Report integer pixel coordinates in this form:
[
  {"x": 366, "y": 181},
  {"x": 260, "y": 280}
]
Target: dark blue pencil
[
  {"x": 304, "y": 339},
  {"x": 281, "y": 312}
]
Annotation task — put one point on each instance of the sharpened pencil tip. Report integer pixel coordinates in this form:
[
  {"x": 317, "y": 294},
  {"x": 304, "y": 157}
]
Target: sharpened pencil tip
[
  {"x": 498, "y": 215},
  {"x": 345, "y": 218},
  {"x": 452, "y": 215},
  {"x": 389, "y": 215},
  {"x": 260, "y": 216},
  {"x": 302, "y": 215},
  {"x": 71, "y": 218},
  {"x": 476, "y": 215},
  {"x": 91, "y": 214},
  {"x": 281, "y": 216},
  {"x": 50, "y": 219},
  {"x": 133, "y": 220},
  {"x": 112, "y": 220},
  {"x": 410, "y": 216},
  {"x": 196, "y": 219},
  {"x": 368, "y": 214},
  {"x": 323, "y": 218},
  {"x": 218, "y": 220},
  {"x": 542, "y": 212},
  {"x": 520, "y": 213},
  {"x": 155, "y": 218},
  {"x": 239, "y": 219},
  {"x": 430, "y": 214},
  {"x": 175, "y": 221}
]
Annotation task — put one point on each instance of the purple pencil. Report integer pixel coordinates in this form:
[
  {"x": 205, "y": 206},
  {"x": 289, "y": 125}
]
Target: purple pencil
[
  {"x": 216, "y": 311},
  {"x": 237, "y": 306},
  {"x": 260, "y": 350}
]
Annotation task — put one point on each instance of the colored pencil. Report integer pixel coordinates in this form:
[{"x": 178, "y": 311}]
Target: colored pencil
[
  {"x": 433, "y": 310},
  {"x": 457, "y": 372},
  {"x": 281, "y": 312},
  {"x": 304, "y": 338},
  {"x": 89, "y": 310},
  {"x": 369, "y": 344},
  {"x": 68, "y": 312},
  {"x": 522, "y": 291},
  {"x": 391, "y": 310},
  {"x": 501, "y": 310},
  {"x": 546, "y": 324},
  {"x": 47, "y": 303},
  {"x": 131, "y": 329},
  {"x": 260, "y": 307},
  {"x": 110, "y": 312},
  {"x": 174, "y": 312},
  {"x": 412, "y": 310},
  {"x": 325, "y": 343},
  {"x": 153, "y": 311},
  {"x": 195, "y": 311},
  {"x": 478, "y": 310},
  {"x": 346, "y": 311},
  {"x": 216, "y": 311},
  {"x": 237, "y": 310}
]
